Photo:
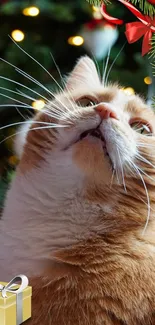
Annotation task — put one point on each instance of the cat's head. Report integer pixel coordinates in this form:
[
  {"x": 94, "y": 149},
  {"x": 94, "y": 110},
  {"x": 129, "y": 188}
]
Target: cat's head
[{"x": 96, "y": 142}]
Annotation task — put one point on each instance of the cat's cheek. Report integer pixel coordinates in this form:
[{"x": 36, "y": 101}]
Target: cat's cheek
[
  {"x": 88, "y": 155},
  {"x": 38, "y": 143}
]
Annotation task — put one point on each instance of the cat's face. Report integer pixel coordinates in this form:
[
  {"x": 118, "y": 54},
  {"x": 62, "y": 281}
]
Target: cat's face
[{"x": 102, "y": 142}]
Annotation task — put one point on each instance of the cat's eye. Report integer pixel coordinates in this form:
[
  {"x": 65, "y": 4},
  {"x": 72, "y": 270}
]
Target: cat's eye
[
  {"x": 141, "y": 127},
  {"x": 86, "y": 102}
]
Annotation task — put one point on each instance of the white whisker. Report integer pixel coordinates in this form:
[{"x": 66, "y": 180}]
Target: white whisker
[
  {"x": 18, "y": 83},
  {"x": 112, "y": 177},
  {"x": 42, "y": 86},
  {"x": 17, "y": 92},
  {"x": 147, "y": 196},
  {"x": 21, "y": 114},
  {"x": 106, "y": 66},
  {"x": 62, "y": 80},
  {"x": 37, "y": 128},
  {"x": 123, "y": 179},
  {"x": 139, "y": 157},
  {"x": 16, "y": 100},
  {"x": 25, "y": 122},
  {"x": 148, "y": 176},
  {"x": 114, "y": 63},
  {"x": 26, "y": 75},
  {"x": 141, "y": 144},
  {"x": 32, "y": 58},
  {"x": 14, "y": 105}
]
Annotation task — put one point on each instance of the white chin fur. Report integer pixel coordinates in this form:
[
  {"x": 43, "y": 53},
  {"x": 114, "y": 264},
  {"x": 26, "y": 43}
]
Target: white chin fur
[{"x": 20, "y": 138}]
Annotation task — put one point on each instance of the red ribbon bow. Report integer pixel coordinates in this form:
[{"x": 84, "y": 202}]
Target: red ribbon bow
[{"x": 134, "y": 30}]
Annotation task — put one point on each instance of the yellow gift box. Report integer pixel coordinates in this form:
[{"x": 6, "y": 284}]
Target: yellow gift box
[{"x": 15, "y": 301}]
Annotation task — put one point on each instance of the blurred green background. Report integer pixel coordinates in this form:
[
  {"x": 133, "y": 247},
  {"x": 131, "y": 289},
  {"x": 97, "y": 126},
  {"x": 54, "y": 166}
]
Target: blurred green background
[{"x": 56, "y": 33}]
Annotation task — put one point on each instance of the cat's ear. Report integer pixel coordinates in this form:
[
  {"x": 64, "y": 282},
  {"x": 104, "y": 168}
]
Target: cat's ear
[{"x": 84, "y": 74}]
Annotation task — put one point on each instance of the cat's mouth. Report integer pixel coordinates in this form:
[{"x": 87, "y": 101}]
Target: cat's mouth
[{"x": 96, "y": 133}]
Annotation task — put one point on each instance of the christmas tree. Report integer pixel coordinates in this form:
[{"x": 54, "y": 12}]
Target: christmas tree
[{"x": 50, "y": 35}]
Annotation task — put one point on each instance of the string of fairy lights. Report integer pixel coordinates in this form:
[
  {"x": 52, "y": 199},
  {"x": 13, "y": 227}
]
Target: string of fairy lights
[{"x": 74, "y": 40}]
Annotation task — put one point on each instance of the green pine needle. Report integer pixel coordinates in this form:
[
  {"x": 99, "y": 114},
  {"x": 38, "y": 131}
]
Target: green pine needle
[
  {"x": 145, "y": 7},
  {"x": 152, "y": 52},
  {"x": 152, "y": 56},
  {"x": 153, "y": 102},
  {"x": 95, "y": 2},
  {"x": 149, "y": 9}
]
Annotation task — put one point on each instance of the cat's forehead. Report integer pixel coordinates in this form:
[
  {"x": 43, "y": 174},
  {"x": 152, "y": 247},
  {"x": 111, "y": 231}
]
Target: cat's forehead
[
  {"x": 114, "y": 95},
  {"x": 118, "y": 97}
]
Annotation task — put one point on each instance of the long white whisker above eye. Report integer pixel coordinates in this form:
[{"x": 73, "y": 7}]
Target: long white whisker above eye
[
  {"x": 27, "y": 106},
  {"x": 62, "y": 80},
  {"x": 18, "y": 83},
  {"x": 147, "y": 196},
  {"x": 59, "y": 72},
  {"x": 106, "y": 66},
  {"x": 36, "y": 62},
  {"x": 97, "y": 66},
  {"x": 57, "y": 116},
  {"x": 18, "y": 93},
  {"x": 106, "y": 81},
  {"x": 14, "y": 105},
  {"x": 26, "y": 75},
  {"x": 35, "y": 81},
  {"x": 24, "y": 118},
  {"x": 18, "y": 101},
  {"x": 15, "y": 100},
  {"x": 42, "y": 86},
  {"x": 20, "y": 71}
]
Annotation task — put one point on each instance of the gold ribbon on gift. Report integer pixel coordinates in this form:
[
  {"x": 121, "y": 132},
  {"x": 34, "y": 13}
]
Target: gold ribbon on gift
[{"x": 18, "y": 291}]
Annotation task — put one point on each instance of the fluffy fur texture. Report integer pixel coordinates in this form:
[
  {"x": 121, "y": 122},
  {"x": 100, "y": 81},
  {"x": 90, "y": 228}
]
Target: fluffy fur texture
[{"x": 80, "y": 223}]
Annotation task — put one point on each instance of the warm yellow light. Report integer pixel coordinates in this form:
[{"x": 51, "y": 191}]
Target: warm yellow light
[
  {"x": 38, "y": 104},
  {"x": 96, "y": 12},
  {"x": 17, "y": 35},
  {"x": 31, "y": 11},
  {"x": 75, "y": 40},
  {"x": 148, "y": 80},
  {"x": 13, "y": 160},
  {"x": 129, "y": 91},
  {"x": 96, "y": 9},
  {"x": 97, "y": 15}
]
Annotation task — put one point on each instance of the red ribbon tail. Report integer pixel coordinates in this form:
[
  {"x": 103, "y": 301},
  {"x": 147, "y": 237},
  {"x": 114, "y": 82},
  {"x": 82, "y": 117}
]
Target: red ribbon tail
[{"x": 146, "y": 46}]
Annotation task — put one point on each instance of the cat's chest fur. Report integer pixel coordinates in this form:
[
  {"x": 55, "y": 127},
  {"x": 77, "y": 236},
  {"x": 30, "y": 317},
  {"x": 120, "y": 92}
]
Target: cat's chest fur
[
  {"x": 97, "y": 285},
  {"x": 42, "y": 215},
  {"x": 106, "y": 280}
]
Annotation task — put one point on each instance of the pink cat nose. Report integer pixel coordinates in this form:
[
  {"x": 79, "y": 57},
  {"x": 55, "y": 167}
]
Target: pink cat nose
[{"x": 105, "y": 111}]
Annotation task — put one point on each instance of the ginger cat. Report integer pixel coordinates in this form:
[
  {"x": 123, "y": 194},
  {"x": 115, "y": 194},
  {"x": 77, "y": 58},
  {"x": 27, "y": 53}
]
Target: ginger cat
[{"x": 79, "y": 218}]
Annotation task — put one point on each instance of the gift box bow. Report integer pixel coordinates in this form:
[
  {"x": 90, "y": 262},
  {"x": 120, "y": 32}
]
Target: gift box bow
[
  {"x": 18, "y": 291},
  {"x": 134, "y": 30}
]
